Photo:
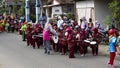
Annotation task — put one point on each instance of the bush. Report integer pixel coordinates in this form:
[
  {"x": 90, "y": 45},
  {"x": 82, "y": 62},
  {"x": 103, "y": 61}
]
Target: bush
[
  {"x": 33, "y": 17},
  {"x": 107, "y": 20},
  {"x": 54, "y": 21},
  {"x": 69, "y": 15}
]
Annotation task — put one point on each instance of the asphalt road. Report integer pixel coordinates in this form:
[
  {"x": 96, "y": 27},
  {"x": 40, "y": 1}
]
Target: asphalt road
[{"x": 15, "y": 54}]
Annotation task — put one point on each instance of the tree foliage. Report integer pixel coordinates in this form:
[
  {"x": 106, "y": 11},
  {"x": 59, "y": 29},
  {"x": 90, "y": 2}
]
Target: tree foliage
[
  {"x": 115, "y": 9},
  {"x": 21, "y": 11},
  {"x": 15, "y": 6}
]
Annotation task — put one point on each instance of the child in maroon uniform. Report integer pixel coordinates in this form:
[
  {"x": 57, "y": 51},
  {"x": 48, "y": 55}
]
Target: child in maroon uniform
[
  {"x": 75, "y": 32},
  {"x": 37, "y": 30},
  {"x": 83, "y": 45},
  {"x": 70, "y": 41},
  {"x": 29, "y": 34},
  {"x": 62, "y": 43},
  {"x": 95, "y": 37}
]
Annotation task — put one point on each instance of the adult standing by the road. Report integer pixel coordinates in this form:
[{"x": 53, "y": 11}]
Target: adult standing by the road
[
  {"x": 112, "y": 47},
  {"x": 83, "y": 23},
  {"x": 60, "y": 22},
  {"x": 46, "y": 36},
  {"x": 90, "y": 26}
]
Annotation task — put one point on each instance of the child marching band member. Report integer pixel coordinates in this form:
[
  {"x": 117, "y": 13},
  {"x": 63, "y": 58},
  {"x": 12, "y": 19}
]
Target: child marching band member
[
  {"x": 95, "y": 37},
  {"x": 33, "y": 37},
  {"x": 23, "y": 28},
  {"x": 75, "y": 32},
  {"x": 112, "y": 47},
  {"x": 39, "y": 31},
  {"x": 55, "y": 45},
  {"x": 70, "y": 41},
  {"x": 7, "y": 26},
  {"x": 62, "y": 42},
  {"x": 12, "y": 24},
  {"x": 83, "y": 45},
  {"x": 0, "y": 25},
  {"x": 29, "y": 34}
]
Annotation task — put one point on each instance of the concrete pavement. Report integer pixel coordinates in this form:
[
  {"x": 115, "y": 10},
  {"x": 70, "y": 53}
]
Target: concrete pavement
[{"x": 15, "y": 54}]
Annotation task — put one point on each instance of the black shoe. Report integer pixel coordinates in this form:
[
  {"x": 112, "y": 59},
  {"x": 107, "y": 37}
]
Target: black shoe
[
  {"x": 48, "y": 53},
  {"x": 45, "y": 52},
  {"x": 23, "y": 40},
  {"x": 33, "y": 47},
  {"x": 72, "y": 57},
  {"x": 38, "y": 47}
]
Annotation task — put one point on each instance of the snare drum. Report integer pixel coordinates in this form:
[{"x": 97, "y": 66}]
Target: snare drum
[
  {"x": 87, "y": 41},
  {"x": 93, "y": 42}
]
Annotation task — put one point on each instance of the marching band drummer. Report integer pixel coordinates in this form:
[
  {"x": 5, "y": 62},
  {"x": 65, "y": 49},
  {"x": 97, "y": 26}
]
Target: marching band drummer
[
  {"x": 83, "y": 45},
  {"x": 70, "y": 42},
  {"x": 62, "y": 42},
  {"x": 46, "y": 36},
  {"x": 37, "y": 29},
  {"x": 95, "y": 37},
  {"x": 55, "y": 45}
]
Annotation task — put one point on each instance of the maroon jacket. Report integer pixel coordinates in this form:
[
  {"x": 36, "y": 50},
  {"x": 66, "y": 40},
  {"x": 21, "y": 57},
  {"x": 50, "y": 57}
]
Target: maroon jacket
[
  {"x": 83, "y": 35},
  {"x": 70, "y": 39},
  {"x": 29, "y": 32}
]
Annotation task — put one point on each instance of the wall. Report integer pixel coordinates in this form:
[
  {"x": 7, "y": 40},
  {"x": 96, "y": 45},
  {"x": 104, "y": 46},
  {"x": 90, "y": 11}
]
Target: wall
[
  {"x": 84, "y": 9},
  {"x": 56, "y": 10},
  {"x": 101, "y": 10}
]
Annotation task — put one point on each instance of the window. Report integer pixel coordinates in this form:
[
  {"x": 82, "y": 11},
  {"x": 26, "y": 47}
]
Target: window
[{"x": 57, "y": 10}]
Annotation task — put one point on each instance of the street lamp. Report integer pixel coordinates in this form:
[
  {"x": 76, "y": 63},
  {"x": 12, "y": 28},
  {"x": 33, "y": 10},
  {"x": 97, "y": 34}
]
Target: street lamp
[
  {"x": 27, "y": 11},
  {"x": 37, "y": 10}
]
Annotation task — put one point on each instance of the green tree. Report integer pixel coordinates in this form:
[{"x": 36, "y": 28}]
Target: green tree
[
  {"x": 15, "y": 6},
  {"x": 3, "y": 7},
  {"x": 21, "y": 11},
  {"x": 115, "y": 9}
]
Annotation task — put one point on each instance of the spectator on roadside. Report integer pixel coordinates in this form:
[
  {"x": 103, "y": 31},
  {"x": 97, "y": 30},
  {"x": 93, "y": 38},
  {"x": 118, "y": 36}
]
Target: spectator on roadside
[{"x": 112, "y": 47}]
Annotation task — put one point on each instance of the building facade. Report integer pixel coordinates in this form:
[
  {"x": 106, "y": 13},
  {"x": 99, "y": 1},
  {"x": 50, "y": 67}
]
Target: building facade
[{"x": 95, "y": 9}]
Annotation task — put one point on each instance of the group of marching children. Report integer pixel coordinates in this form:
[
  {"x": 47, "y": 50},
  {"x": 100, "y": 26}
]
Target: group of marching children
[
  {"x": 8, "y": 23},
  {"x": 72, "y": 38},
  {"x": 29, "y": 31}
]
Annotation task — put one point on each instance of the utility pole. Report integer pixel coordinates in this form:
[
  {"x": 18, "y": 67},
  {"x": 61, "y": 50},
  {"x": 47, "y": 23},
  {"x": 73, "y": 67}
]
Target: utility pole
[
  {"x": 27, "y": 11},
  {"x": 38, "y": 10}
]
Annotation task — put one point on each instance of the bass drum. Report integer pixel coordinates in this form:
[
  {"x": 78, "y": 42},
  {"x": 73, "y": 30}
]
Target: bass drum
[
  {"x": 55, "y": 36},
  {"x": 55, "y": 39}
]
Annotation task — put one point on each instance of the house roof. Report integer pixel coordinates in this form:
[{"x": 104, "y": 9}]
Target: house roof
[
  {"x": 61, "y": 1},
  {"x": 58, "y": 2},
  {"x": 65, "y": 1}
]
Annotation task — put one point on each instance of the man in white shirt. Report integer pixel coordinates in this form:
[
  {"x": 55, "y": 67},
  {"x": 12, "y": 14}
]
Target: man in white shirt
[{"x": 60, "y": 22}]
